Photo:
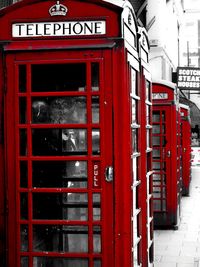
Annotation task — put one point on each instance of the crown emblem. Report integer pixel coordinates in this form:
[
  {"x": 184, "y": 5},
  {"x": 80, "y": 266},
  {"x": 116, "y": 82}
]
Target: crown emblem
[{"x": 58, "y": 10}]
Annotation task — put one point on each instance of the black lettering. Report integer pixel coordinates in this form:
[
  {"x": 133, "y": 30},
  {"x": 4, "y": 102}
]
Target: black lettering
[
  {"x": 46, "y": 29},
  {"x": 88, "y": 28},
  {"x": 67, "y": 27},
  {"x": 56, "y": 27},
  {"x": 97, "y": 27},
  {"x": 20, "y": 28},
  {"x": 36, "y": 30},
  {"x": 76, "y": 30},
  {"x": 29, "y": 28}
]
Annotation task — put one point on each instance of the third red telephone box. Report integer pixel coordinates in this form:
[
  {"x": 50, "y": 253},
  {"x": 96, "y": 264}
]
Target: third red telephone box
[
  {"x": 186, "y": 148},
  {"x": 166, "y": 155}
]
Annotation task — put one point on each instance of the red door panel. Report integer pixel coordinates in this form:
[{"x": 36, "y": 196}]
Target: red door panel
[{"x": 58, "y": 146}]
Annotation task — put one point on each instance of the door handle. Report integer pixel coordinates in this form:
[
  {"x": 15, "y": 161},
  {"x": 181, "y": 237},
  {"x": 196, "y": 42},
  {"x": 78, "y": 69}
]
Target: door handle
[
  {"x": 168, "y": 153},
  {"x": 109, "y": 173}
]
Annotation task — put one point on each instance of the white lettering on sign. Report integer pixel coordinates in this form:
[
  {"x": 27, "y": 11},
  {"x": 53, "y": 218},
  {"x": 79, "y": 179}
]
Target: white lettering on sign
[
  {"x": 188, "y": 78},
  {"x": 160, "y": 96},
  {"x": 68, "y": 28}
]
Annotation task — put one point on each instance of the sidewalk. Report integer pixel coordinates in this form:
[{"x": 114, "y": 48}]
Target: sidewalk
[{"x": 181, "y": 248}]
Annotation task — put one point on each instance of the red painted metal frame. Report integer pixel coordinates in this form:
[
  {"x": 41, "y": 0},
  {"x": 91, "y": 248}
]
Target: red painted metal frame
[
  {"x": 169, "y": 159},
  {"x": 186, "y": 149}
]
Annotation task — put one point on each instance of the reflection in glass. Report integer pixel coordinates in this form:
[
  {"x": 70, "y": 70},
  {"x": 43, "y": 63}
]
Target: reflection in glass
[
  {"x": 23, "y": 174},
  {"x": 58, "y": 174},
  {"x": 24, "y": 206},
  {"x": 134, "y": 140},
  {"x": 134, "y": 162},
  {"x": 156, "y": 129},
  {"x": 148, "y": 138},
  {"x": 95, "y": 141},
  {"x": 24, "y": 262},
  {"x": 22, "y": 78},
  {"x": 97, "y": 263},
  {"x": 97, "y": 239},
  {"x": 148, "y": 91},
  {"x": 61, "y": 262},
  {"x": 58, "y": 77},
  {"x": 147, "y": 114},
  {"x": 60, "y": 206},
  {"x": 22, "y": 110},
  {"x": 95, "y": 76},
  {"x": 156, "y": 140},
  {"x": 133, "y": 82},
  {"x": 23, "y": 142},
  {"x": 96, "y": 207},
  {"x": 134, "y": 110},
  {"x": 24, "y": 237},
  {"x": 59, "y": 141},
  {"x": 156, "y": 117},
  {"x": 60, "y": 238},
  {"x": 61, "y": 110},
  {"x": 156, "y": 153},
  {"x": 95, "y": 109}
]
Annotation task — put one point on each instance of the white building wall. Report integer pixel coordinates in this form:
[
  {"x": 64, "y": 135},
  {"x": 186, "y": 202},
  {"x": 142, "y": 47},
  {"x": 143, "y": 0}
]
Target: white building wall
[{"x": 163, "y": 20}]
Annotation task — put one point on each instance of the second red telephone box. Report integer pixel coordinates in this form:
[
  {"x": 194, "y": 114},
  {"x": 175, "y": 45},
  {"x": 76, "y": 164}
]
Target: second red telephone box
[{"x": 166, "y": 155}]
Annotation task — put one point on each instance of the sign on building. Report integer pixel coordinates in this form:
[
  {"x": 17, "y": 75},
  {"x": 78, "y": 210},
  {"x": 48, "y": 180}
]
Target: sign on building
[{"x": 188, "y": 78}]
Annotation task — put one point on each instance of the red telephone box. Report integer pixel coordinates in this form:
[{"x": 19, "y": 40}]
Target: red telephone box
[
  {"x": 70, "y": 98},
  {"x": 166, "y": 155},
  {"x": 186, "y": 148}
]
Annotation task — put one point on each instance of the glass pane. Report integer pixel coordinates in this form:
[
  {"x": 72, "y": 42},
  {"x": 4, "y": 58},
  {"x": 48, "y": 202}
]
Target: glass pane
[
  {"x": 133, "y": 82},
  {"x": 148, "y": 91},
  {"x": 23, "y": 174},
  {"x": 148, "y": 138},
  {"x": 156, "y": 117},
  {"x": 156, "y": 129},
  {"x": 95, "y": 109},
  {"x": 97, "y": 263},
  {"x": 60, "y": 206},
  {"x": 95, "y": 76},
  {"x": 134, "y": 140},
  {"x": 96, "y": 141},
  {"x": 59, "y": 262},
  {"x": 156, "y": 177},
  {"x": 60, "y": 238},
  {"x": 96, "y": 207},
  {"x": 22, "y": 110},
  {"x": 156, "y": 165},
  {"x": 134, "y": 110},
  {"x": 24, "y": 206},
  {"x": 156, "y": 140},
  {"x": 156, "y": 153},
  {"x": 24, "y": 237},
  {"x": 157, "y": 204},
  {"x": 24, "y": 262},
  {"x": 59, "y": 142},
  {"x": 147, "y": 114},
  {"x": 97, "y": 239},
  {"x": 135, "y": 169},
  {"x": 68, "y": 174},
  {"x": 59, "y": 110},
  {"x": 23, "y": 142},
  {"x": 58, "y": 77},
  {"x": 22, "y": 78}
]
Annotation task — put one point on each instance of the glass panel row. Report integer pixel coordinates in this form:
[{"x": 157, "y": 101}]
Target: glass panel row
[
  {"x": 59, "y": 262},
  {"x": 47, "y": 142},
  {"x": 59, "y": 77},
  {"x": 59, "y": 206},
  {"x": 61, "y": 238},
  {"x": 59, "y": 110}
]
